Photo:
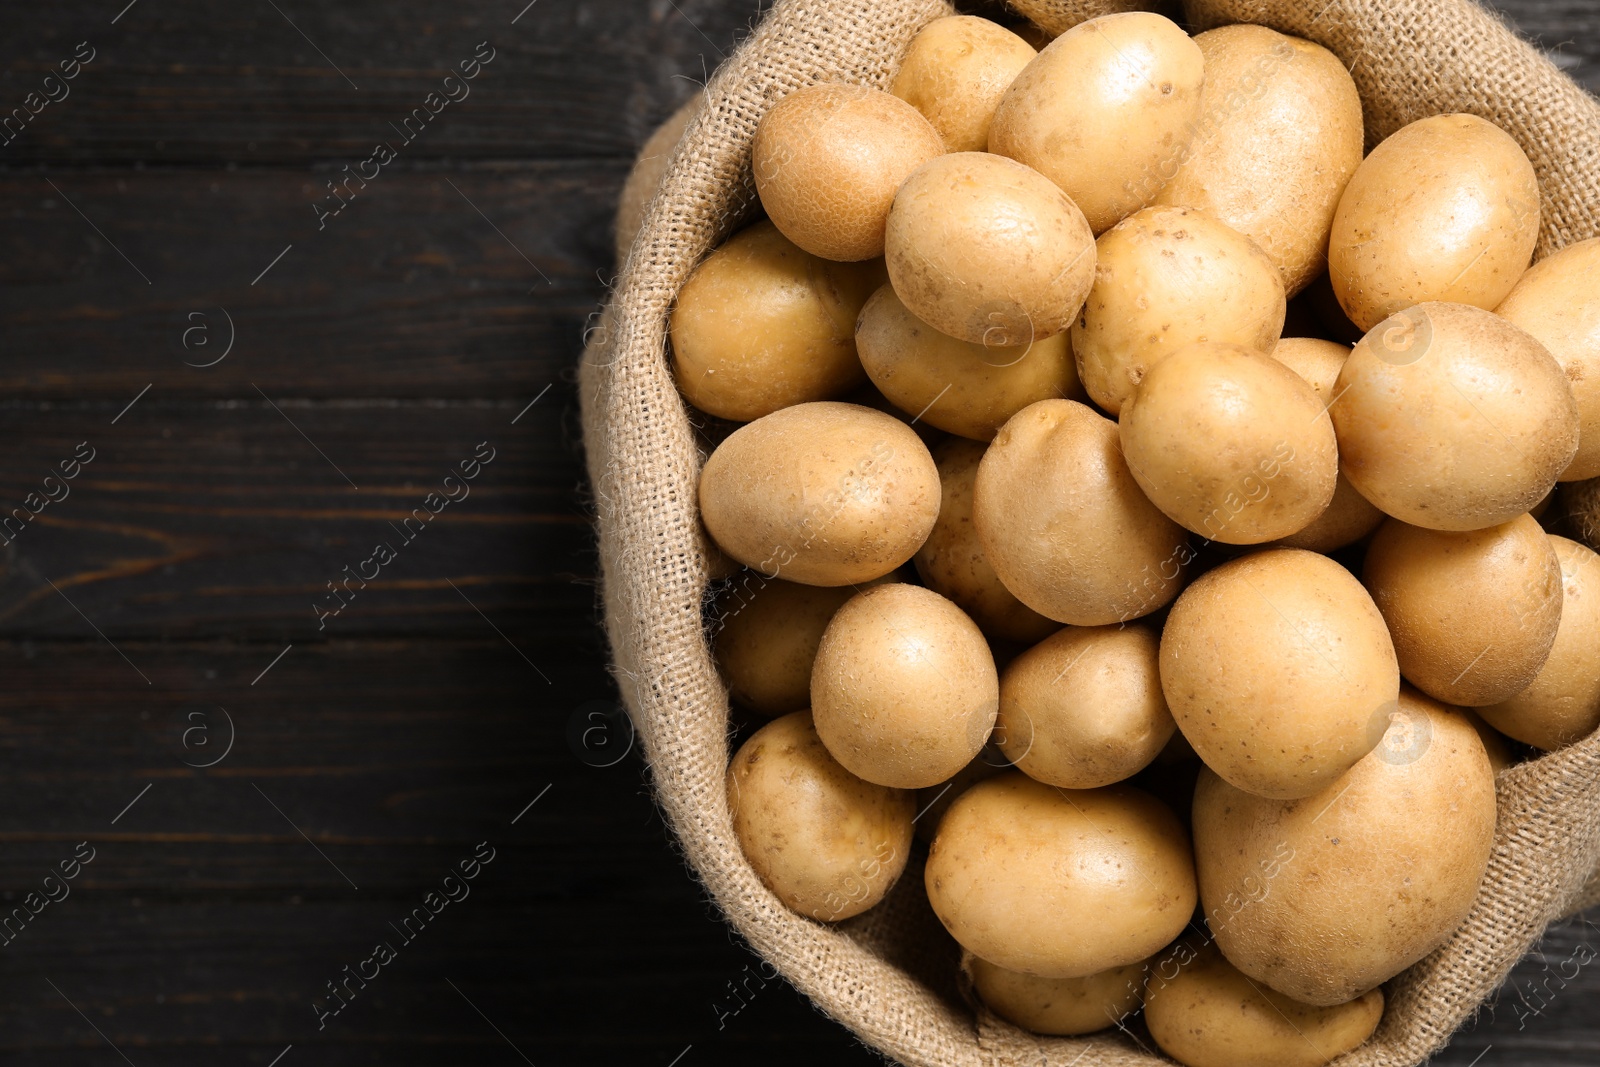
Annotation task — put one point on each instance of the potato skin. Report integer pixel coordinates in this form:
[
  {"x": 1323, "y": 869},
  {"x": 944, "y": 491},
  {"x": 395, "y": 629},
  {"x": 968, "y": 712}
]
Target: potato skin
[
  {"x": 1103, "y": 109},
  {"x": 1562, "y": 703},
  {"x": 1065, "y": 525},
  {"x": 1445, "y": 209},
  {"x": 1059, "y": 1006},
  {"x": 955, "y": 72},
  {"x": 828, "y": 844},
  {"x": 1165, "y": 278},
  {"x": 827, "y": 160},
  {"x": 1057, "y": 883},
  {"x": 822, "y": 494},
  {"x": 1450, "y": 417},
  {"x": 988, "y": 251},
  {"x": 1280, "y": 135},
  {"x": 1383, "y": 864},
  {"x": 1558, "y": 303},
  {"x": 762, "y": 325},
  {"x": 1473, "y": 615}
]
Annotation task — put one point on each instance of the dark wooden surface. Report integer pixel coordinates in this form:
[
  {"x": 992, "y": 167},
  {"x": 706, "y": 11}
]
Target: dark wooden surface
[{"x": 168, "y": 603}]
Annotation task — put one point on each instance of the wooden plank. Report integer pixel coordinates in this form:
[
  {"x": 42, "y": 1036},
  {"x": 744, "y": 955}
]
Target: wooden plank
[{"x": 1568, "y": 31}]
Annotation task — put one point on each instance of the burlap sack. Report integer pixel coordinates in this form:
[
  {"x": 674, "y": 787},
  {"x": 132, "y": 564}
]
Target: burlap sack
[{"x": 890, "y": 975}]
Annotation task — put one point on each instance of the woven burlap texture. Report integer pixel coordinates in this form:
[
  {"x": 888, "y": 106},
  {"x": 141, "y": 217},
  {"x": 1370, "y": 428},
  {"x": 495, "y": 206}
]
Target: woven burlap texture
[{"x": 890, "y": 975}]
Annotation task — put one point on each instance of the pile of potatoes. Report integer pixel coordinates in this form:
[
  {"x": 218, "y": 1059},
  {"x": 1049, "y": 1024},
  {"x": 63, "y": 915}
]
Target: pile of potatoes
[{"x": 1052, "y": 555}]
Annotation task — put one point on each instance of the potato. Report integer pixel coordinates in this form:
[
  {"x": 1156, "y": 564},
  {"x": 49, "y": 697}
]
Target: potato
[
  {"x": 935, "y": 800},
  {"x": 1065, "y": 525},
  {"x": 1494, "y": 742},
  {"x": 1445, "y": 209},
  {"x": 1562, "y": 704},
  {"x": 1280, "y": 135},
  {"x": 1231, "y": 444},
  {"x": 988, "y": 251},
  {"x": 1084, "y": 708},
  {"x": 761, "y": 325},
  {"x": 1332, "y": 895},
  {"x": 1450, "y": 417},
  {"x": 965, "y": 388},
  {"x": 904, "y": 688},
  {"x": 1474, "y": 615},
  {"x": 1063, "y": 1006},
  {"x": 1057, "y": 883},
  {"x": 822, "y": 494},
  {"x": 1350, "y": 516},
  {"x": 955, "y": 73},
  {"x": 1210, "y": 1015},
  {"x": 951, "y": 561},
  {"x": 648, "y": 170},
  {"x": 1278, "y": 669},
  {"x": 1103, "y": 110},
  {"x": 827, "y": 160},
  {"x": 828, "y": 844},
  {"x": 1558, "y": 303},
  {"x": 1164, "y": 279}
]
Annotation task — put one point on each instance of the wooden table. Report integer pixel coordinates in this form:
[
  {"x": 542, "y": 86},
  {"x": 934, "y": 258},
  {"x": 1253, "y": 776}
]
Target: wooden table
[{"x": 274, "y": 738}]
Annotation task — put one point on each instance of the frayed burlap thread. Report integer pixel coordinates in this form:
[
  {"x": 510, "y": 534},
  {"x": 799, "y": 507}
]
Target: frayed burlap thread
[{"x": 890, "y": 975}]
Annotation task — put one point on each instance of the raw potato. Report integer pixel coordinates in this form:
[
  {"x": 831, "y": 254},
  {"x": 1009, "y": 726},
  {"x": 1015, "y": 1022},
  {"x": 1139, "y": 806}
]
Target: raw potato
[
  {"x": 828, "y": 844},
  {"x": 1084, "y": 707},
  {"x": 1351, "y": 516},
  {"x": 1061, "y": 1006},
  {"x": 1558, "y": 302},
  {"x": 935, "y": 800},
  {"x": 1450, "y": 417},
  {"x": 1164, "y": 279},
  {"x": 827, "y": 160},
  {"x": 1065, "y": 525},
  {"x": 1210, "y": 1015},
  {"x": 1474, "y": 615},
  {"x": 1343, "y": 890},
  {"x": 951, "y": 562},
  {"x": 965, "y": 388},
  {"x": 1104, "y": 111},
  {"x": 823, "y": 494},
  {"x": 1231, "y": 444},
  {"x": 955, "y": 73},
  {"x": 1562, "y": 705},
  {"x": 904, "y": 688},
  {"x": 1057, "y": 883},
  {"x": 761, "y": 325},
  {"x": 1279, "y": 671},
  {"x": 648, "y": 170},
  {"x": 988, "y": 251},
  {"x": 1445, "y": 209},
  {"x": 1280, "y": 136}
]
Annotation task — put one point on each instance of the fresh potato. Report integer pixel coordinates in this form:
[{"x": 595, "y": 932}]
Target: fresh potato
[
  {"x": 1084, "y": 707},
  {"x": 955, "y": 73},
  {"x": 1450, "y": 417},
  {"x": 1103, "y": 110},
  {"x": 761, "y": 325},
  {"x": 934, "y": 800},
  {"x": 951, "y": 561},
  {"x": 1063, "y": 1006},
  {"x": 965, "y": 388},
  {"x": 1494, "y": 742},
  {"x": 1165, "y": 278},
  {"x": 988, "y": 250},
  {"x": 1280, "y": 135},
  {"x": 1445, "y": 209},
  {"x": 648, "y": 170},
  {"x": 1474, "y": 615},
  {"x": 1210, "y": 1015},
  {"x": 828, "y": 844},
  {"x": 1340, "y": 891},
  {"x": 822, "y": 494},
  {"x": 904, "y": 687},
  {"x": 1562, "y": 704},
  {"x": 1231, "y": 444},
  {"x": 1065, "y": 525},
  {"x": 1558, "y": 303},
  {"x": 1279, "y": 671},
  {"x": 1058, "y": 883},
  {"x": 827, "y": 160}
]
